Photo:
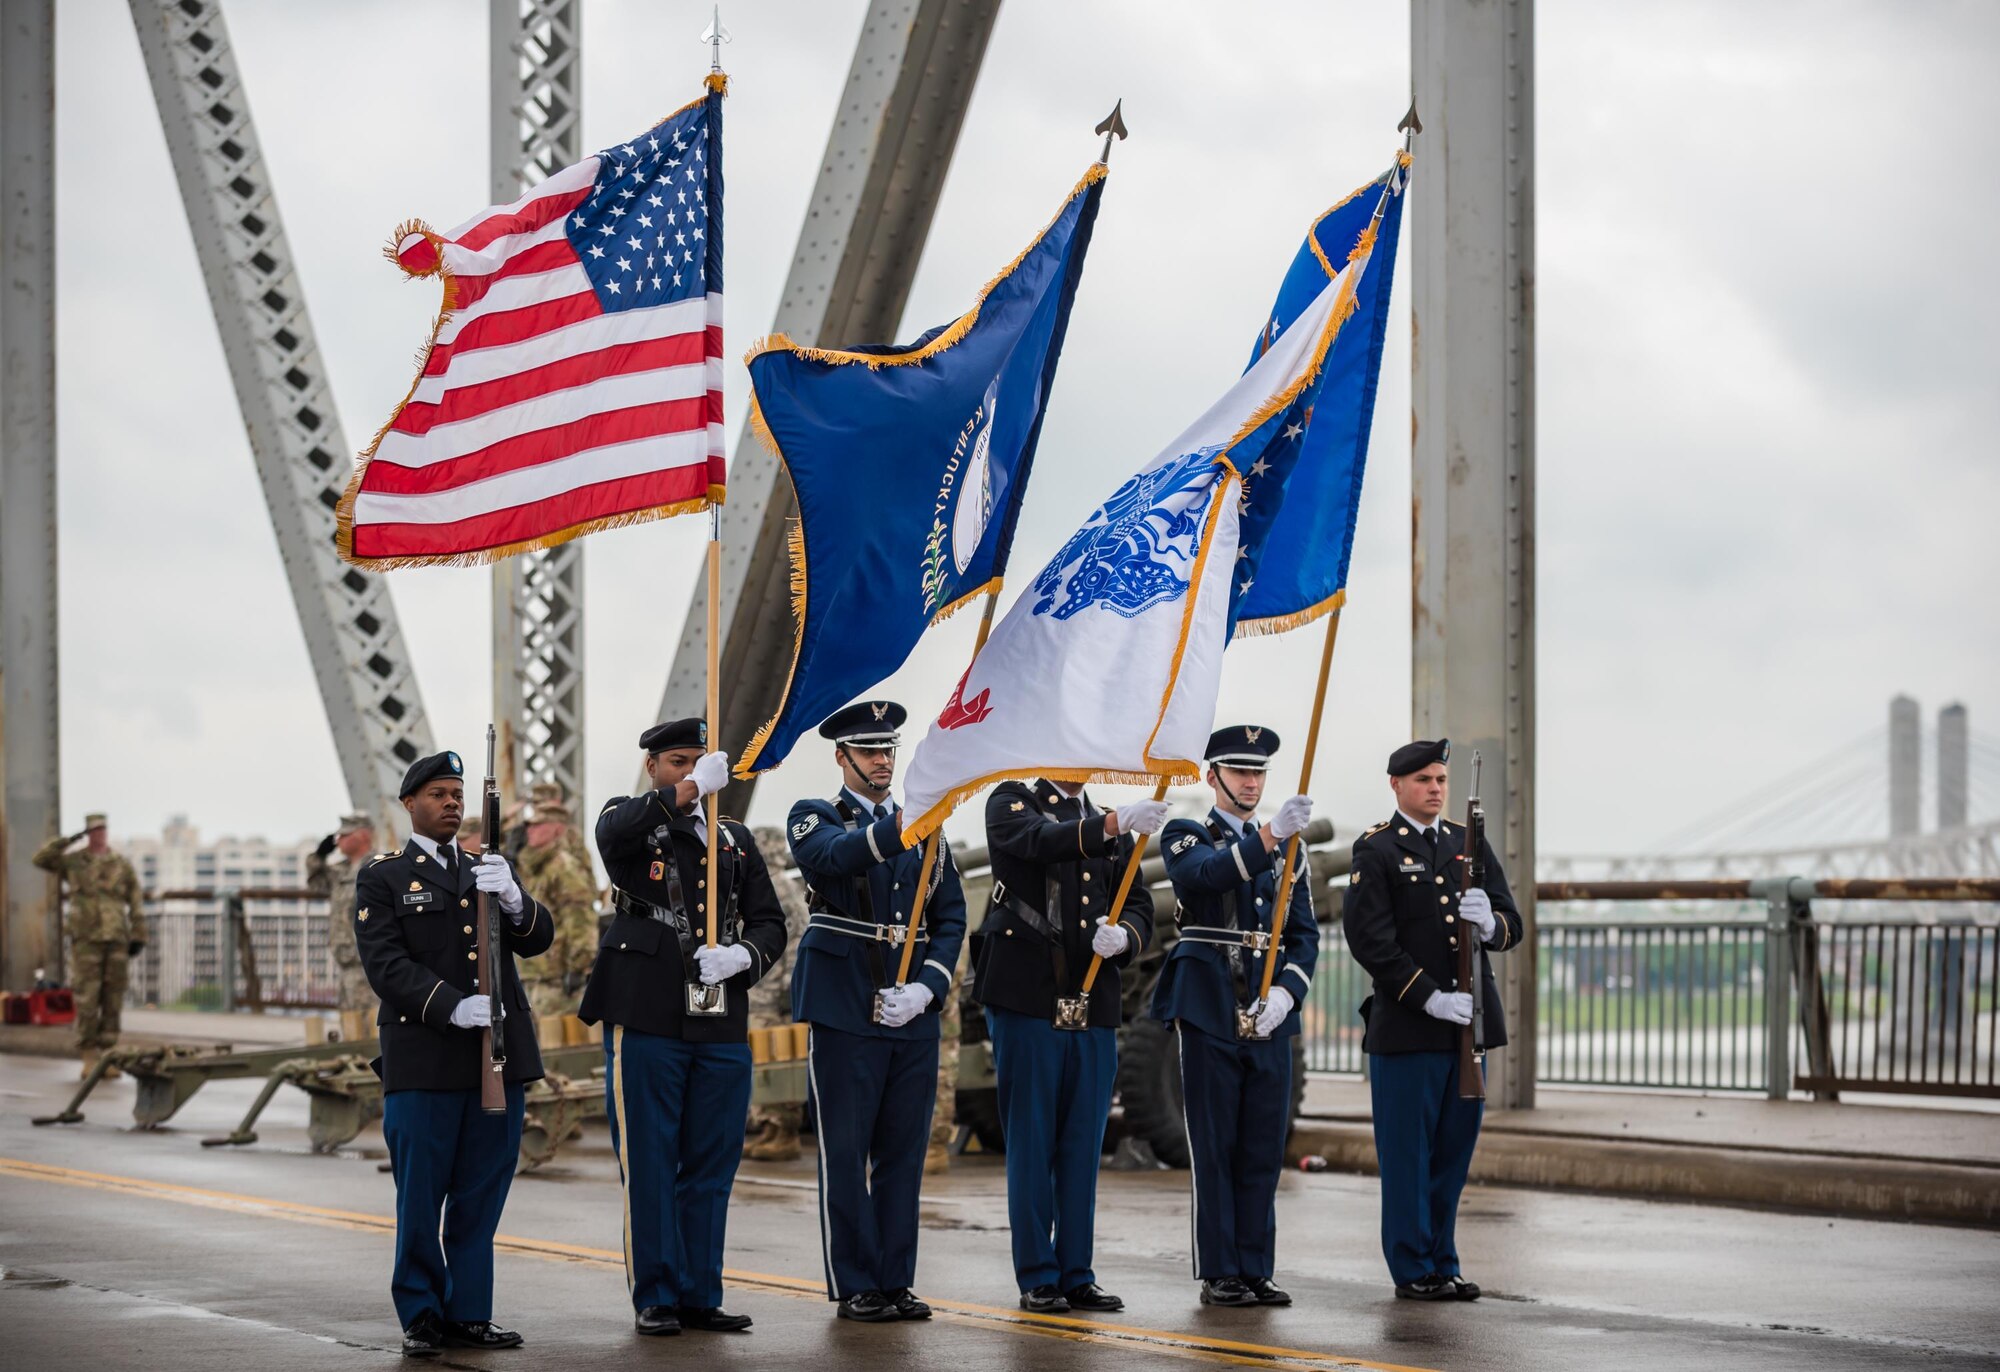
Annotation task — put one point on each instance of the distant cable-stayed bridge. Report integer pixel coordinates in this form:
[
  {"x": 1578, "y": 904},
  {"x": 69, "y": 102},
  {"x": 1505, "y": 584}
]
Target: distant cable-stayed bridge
[{"x": 1834, "y": 817}]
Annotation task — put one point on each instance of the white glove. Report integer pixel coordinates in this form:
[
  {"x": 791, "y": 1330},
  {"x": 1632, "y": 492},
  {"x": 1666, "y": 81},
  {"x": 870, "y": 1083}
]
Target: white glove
[
  {"x": 1292, "y": 818},
  {"x": 1477, "y": 906},
  {"x": 1274, "y": 1012},
  {"x": 1110, "y": 939},
  {"x": 710, "y": 774},
  {"x": 1454, "y": 1007},
  {"x": 1142, "y": 817},
  {"x": 901, "y": 1004},
  {"x": 474, "y": 1012},
  {"x": 722, "y": 962},
  {"x": 492, "y": 875}
]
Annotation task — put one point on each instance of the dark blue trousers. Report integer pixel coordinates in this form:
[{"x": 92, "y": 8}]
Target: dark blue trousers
[
  {"x": 1424, "y": 1136},
  {"x": 677, "y": 1111},
  {"x": 1055, "y": 1094},
  {"x": 872, "y": 1097},
  {"x": 1238, "y": 1099},
  {"x": 453, "y": 1163}
]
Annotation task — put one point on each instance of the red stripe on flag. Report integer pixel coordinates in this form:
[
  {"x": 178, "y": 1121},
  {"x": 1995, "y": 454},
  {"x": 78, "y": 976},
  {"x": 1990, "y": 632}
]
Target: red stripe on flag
[
  {"x": 531, "y": 216},
  {"x": 541, "y": 519},
  {"x": 547, "y": 445},
  {"x": 543, "y": 257},
  {"x": 469, "y": 402},
  {"x": 514, "y": 326}
]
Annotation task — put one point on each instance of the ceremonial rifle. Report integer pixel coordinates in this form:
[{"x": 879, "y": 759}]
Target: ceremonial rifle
[
  {"x": 491, "y": 954},
  {"x": 1471, "y": 1036}
]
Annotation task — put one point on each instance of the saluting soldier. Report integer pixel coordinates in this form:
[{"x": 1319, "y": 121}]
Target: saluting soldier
[
  {"x": 677, "y": 1084},
  {"x": 1057, "y": 859},
  {"x": 550, "y": 868},
  {"x": 1403, "y": 919},
  {"x": 416, "y": 923},
  {"x": 106, "y": 931},
  {"x": 335, "y": 881},
  {"x": 873, "y": 1073},
  {"x": 1237, "y": 1089}
]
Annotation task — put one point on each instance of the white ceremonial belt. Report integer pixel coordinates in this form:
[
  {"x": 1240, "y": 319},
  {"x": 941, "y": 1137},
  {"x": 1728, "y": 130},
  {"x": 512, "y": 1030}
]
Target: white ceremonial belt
[
  {"x": 1258, "y": 940},
  {"x": 892, "y": 934}
]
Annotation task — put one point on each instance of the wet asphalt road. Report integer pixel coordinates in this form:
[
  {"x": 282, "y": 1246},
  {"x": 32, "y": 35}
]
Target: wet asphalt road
[{"x": 145, "y": 1250}]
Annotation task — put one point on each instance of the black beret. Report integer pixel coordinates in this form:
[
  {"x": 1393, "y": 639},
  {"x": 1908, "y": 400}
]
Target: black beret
[
  {"x": 428, "y": 769},
  {"x": 1243, "y": 746},
  {"x": 1414, "y": 757},
  {"x": 866, "y": 724},
  {"x": 675, "y": 733}
]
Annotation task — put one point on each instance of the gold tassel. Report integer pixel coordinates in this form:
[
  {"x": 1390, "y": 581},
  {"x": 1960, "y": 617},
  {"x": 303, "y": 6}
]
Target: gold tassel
[
  {"x": 991, "y": 587},
  {"x": 921, "y": 828},
  {"x": 1279, "y": 624},
  {"x": 795, "y": 547}
]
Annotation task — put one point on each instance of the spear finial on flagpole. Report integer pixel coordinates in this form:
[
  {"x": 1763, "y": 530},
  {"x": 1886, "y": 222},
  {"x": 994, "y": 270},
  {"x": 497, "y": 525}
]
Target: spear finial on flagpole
[
  {"x": 715, "y": 36},
  {"x": 1112, "y": 127}
]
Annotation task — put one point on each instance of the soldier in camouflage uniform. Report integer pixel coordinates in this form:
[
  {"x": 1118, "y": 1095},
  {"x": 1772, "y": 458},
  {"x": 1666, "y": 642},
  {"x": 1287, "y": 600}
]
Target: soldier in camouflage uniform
[
  {"x": 335, "y": 882},
  {"x": 550, "y": 871},
  {"x": 106, "y": 930},
  {"x": 944, "y": 1116},
  {"x": 546, "y": 793},
  {"x": 774, "y": 1129}
]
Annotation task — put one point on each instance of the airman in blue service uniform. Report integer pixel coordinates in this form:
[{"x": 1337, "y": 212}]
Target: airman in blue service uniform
[
  {"x": 873, "y": 1072},
  {"x": 1057, "y": 860},
  {"x": 1403, "y": 919},
  {"x": 416, "y": 928},
  {"x": 676, "y": 1079},
  {"x": 1236, "y": 1086}
]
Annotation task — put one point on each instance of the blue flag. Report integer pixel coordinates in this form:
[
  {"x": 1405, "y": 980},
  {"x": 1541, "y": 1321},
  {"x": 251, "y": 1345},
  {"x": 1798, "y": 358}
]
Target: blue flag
[
  {"x": 1296, "y": 547},
  {"x": 909, "y": 464}
]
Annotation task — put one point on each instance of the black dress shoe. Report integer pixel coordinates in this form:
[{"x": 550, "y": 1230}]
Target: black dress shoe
[
  {"x": 1227, "y": 1291},
  {"x": 1091, "y": 1296},
  {"x": 908, "y": 1307},
  {"x": 1429, "y": 1288},
  {"x": 425, "y": 1337},
  {"x": 1467, "y": 1290},
  {"x": 870, "y": 1307},
  {"x": 479, "y": 1334},
  {"x": 1044, "y": 1300},
  {"x": 657, "y": 1319},
  {"x": 714, "y": 1319},
  {"x": 1267, "y": 1291}
]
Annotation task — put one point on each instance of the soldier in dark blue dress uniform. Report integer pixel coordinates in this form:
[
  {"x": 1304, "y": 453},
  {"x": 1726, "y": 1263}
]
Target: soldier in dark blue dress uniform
[
  {"x": 1236, "y": 1087},
  {"x": 874, "y": 1075},
  {"x": 1403, "y": 920},
  {"x": 677, "y": 1080},
  {"x": 1057, "y": 860},
  {"x": 416, "y": 928}
]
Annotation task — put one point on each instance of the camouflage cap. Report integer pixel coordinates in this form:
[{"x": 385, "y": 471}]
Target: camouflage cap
[
  {"x": 546, "y": 793},
  {"x": 550, "y": 812},
  {"x": 94, "y": 821},
  {"x": 354, "y": 824}
]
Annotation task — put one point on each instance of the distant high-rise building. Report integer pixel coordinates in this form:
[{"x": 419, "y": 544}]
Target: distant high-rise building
[
  {"x": 1954, "y": 768},
  {"x": 1906, "y": 767},
  {"x": 179, "y": 861}
]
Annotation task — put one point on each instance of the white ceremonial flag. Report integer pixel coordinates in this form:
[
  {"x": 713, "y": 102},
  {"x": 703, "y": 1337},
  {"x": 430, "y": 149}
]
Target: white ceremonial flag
[{"x": 1106, "y": 667}]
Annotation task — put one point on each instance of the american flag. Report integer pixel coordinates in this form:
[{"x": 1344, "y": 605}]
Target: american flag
[{"x": 574, "y": 380}]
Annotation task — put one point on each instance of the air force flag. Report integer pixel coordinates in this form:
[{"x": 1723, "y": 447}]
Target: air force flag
[
  {"x": 1299, "y": 549},
  {"x": 1106, "y": 667},
  {"x": 909, "y": 463}
]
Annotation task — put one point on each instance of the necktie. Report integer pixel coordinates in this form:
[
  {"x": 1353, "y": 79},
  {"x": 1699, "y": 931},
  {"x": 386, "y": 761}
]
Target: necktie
[
  {"x": 449, "y": 856},
  {"x": 1250, "y": 826},
  {"x": 881, "y": 810}
]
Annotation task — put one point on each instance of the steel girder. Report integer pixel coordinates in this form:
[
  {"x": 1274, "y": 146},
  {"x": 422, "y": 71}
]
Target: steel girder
[{"x": 303, "y": 458}]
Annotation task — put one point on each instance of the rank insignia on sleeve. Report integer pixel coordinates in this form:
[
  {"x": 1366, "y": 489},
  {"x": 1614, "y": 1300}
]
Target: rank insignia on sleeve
[
  {"x": 361, "y": 915},
  {"x": 657, "y": 872},
  {"x": 805, "y": 826},
  {"x": 1354, "y": 878},
  {"x": 1185, "y": 844},
  {"x": 1018, "y": 806}
]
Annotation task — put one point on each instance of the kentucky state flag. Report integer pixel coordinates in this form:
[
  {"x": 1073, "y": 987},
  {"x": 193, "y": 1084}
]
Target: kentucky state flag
[
  {"x": 1297, "y": 548},
  {"x": 1106, "y": 668},
  {"x": 909, "y": 464}
]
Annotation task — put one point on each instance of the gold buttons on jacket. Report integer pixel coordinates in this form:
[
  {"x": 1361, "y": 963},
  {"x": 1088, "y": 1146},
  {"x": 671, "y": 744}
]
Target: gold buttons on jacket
[
  {"x": 1444, "y": 900},
  {"x": 1086, "y": 876},
  {"x": 463, "y": 902},
  {"x": 622, "y": 946},
  {"x": 1086, "y": 900},
  {"x": 1447, "y": 919},
  {"x": 468, "y": 928},
  {"x": 472, "y": 956},
  {"x": 1440, "y": 881}
]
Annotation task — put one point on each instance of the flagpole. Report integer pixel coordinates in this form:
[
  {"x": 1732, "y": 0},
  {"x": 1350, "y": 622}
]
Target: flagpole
[
  {"x": 1124, "y": 889},
  {"x": 925, "y": 872},
  {"x": 714, "y": 697},
  {"x": 1305, "y": 784}
]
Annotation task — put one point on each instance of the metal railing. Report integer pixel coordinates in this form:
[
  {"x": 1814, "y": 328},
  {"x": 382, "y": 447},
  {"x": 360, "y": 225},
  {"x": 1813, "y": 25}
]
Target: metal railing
[{"x": 218, "y": 949}]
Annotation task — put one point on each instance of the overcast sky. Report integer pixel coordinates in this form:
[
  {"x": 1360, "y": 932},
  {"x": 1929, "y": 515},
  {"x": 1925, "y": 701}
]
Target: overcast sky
[{"x": 1767, "y": 350}]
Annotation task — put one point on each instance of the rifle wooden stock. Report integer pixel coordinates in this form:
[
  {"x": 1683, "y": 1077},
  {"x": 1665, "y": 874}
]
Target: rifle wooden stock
[
  {"x": 491, "y": 957},
  {"x": 1471, "y": 1076}
]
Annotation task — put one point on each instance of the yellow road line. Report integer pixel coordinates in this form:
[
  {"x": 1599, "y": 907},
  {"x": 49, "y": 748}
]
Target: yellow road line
[{"x": 1197, "y": 1346}]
